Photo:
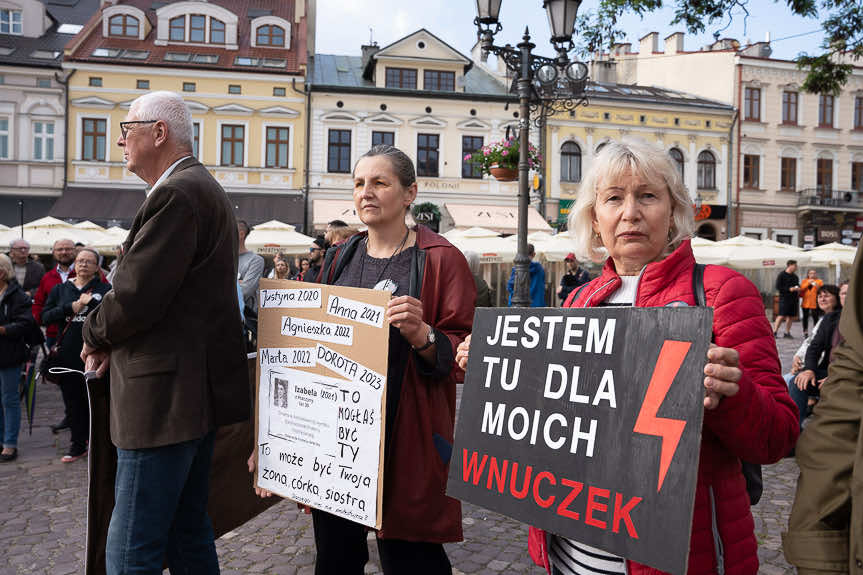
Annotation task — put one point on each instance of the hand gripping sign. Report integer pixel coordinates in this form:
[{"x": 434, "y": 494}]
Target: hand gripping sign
[
  {"x": 587, "y": 423},
  {"x": 322, "y": 364}
]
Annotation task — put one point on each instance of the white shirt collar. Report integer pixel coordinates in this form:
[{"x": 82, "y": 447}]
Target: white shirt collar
[{"x": 165, "y": 174}]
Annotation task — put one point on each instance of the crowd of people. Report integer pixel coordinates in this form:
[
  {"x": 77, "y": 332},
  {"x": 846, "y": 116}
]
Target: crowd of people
[{"x": 633, "y": 213}]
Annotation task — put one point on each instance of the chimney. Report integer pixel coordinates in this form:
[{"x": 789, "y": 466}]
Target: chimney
[
  {"x": 621, "y": 49},
  {"x": 369, "y": 50},
  {"x": 674, "y": 43},
  {"x": 649, "y": 44}
]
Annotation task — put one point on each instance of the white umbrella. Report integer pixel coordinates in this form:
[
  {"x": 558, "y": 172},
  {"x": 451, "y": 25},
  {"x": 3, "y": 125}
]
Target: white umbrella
[
  {"x": 274, "y": 236},
  {"x": 3, "y": 228},
  {"x": 108, "y": 240},
  {"x": 42, "y": 233},
  {"x": 91, "y": 232},
  {"x": 490, "y": 247},
  {"x": 834, "y": 254},
  {"x": 746, "y": 253},
  {"x": 554, "y": 248}
]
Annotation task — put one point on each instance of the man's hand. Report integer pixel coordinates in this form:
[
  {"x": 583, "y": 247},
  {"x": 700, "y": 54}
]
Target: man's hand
[
  {"x": 804, "y": 379},
  {"x": 97, "y": 360},
  {"x": 796, "y": 364}
]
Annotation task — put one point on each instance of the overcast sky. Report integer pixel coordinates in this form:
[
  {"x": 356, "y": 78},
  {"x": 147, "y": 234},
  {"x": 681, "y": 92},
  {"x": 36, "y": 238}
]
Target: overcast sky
[{"x": 344, "y": 25}]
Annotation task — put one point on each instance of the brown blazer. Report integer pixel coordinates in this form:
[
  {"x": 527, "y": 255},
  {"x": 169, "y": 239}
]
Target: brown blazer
[{"x": 178, "y": 365}]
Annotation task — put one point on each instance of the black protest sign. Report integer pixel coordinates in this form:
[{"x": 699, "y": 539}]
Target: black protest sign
[{"x": 587, "y": 423}]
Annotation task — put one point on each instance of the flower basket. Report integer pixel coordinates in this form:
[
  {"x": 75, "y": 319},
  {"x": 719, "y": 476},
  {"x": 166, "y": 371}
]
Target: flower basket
[{"x": 504, "y": 174}]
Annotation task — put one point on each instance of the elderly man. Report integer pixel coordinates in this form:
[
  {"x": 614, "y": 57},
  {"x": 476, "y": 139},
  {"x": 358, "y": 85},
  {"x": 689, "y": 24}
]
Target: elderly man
[
  {"x": 170, "y": 331},
  {"x": 28, "y": 272}
]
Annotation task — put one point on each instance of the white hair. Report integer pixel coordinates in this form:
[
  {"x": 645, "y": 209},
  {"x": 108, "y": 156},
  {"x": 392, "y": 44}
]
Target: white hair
[
  {"x": 472, "y": 261},
  {"x": 17, "y": 241},
  {"x": 171, "y": 109},
  {"x": 616, "y": 159},
  {"x": 6, "y": 268}
]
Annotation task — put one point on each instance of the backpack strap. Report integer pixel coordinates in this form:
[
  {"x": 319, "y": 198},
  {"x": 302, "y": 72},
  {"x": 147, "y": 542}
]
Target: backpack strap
[{"x": 698, "y": 285}]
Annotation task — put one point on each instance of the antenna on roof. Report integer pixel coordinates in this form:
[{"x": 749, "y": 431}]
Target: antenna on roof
[{"x": 371, "y": 36}]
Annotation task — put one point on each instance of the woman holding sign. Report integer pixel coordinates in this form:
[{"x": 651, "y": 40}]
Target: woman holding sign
[
  {"x": 634, "y": 205},
  {"x": 430, "y": 313}
]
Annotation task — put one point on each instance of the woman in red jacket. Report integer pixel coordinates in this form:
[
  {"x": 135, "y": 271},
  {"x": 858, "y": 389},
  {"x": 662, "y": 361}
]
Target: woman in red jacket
[{"x": 633, "y": 209}]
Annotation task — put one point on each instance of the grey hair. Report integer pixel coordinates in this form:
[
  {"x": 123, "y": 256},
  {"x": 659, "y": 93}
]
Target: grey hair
[
  {"x": 616, "y": 159},
  {"x": 401, "y": 163},
  {"x": 19, "y": 241},
  {"x": 472, "y": 261},
  {"x": 6, "y": 268},
  {"x": 92, "y": 251},
  {"x": 171, "y": 109}
]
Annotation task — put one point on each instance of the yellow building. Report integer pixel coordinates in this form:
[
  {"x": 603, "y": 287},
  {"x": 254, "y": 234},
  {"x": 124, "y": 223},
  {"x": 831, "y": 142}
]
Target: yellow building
[
  {"x": 240, "y": 69},
  {"x": 695, "y": 131}
]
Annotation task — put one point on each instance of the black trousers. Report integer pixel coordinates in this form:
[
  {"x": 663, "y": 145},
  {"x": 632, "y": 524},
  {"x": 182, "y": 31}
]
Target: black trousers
[
  {"x": 813, "y": 313},
  {"x": 74, "y": 392},
  {"x": 343, "y": 550}
]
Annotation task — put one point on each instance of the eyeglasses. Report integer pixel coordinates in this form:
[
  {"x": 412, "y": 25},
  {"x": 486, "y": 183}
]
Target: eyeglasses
[{"x": 124, "y": 126}]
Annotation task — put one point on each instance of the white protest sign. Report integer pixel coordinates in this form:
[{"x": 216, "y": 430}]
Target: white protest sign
[{"x": 291, "y": 298}]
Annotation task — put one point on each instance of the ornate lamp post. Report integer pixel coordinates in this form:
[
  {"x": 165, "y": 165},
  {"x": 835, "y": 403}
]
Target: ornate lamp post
[{"x": 545, "y": 86}]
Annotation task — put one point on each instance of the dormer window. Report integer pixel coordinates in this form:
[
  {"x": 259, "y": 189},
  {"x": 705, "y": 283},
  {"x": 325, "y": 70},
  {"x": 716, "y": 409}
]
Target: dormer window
[
  {"x": 10, "y": 21},
  {"x": 217, "y": 31},
  {"x": 178, "y": 29},
  {"x": 271, "y": 36},
  {"x": 197, "y": 29},
  {"x": 123, "y": 25}
]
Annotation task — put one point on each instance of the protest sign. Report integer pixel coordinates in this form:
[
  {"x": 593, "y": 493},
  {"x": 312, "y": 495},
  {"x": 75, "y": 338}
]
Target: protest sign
[
  {"x": 587, "y": 423},
  {"x": 322, "y": 364}
]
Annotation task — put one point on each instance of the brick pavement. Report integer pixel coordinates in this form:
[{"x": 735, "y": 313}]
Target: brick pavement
[{"x": 42, "y": 517}]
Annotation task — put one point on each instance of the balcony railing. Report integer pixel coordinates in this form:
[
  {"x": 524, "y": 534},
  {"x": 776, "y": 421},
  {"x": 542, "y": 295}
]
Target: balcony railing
[{"x": 827, "y": 198}]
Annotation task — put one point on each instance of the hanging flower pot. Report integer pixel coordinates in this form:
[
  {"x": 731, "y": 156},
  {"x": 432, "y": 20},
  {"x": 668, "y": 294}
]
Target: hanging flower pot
[{"x": 504, "y": 174}]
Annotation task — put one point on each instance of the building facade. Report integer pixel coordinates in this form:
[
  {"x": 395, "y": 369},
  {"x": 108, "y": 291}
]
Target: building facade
[
  {"x": 241, "y": 70},
  {"x": 798, "y": 157}
]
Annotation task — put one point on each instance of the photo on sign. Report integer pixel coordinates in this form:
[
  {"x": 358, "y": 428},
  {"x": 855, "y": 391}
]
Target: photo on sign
[{"x": 303, "y": 409}]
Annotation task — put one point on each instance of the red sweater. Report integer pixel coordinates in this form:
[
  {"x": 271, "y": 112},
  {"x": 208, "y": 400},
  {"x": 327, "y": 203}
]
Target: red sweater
[{"x": 758, "y": 424}]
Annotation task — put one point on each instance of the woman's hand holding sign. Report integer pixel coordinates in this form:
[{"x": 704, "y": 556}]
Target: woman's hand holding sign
[{"x": 721, "y": 375}]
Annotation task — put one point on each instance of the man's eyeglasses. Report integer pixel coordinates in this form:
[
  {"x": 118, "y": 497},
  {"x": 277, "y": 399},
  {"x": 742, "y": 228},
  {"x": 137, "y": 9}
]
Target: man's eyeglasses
[{"x": 124, "y": 126}]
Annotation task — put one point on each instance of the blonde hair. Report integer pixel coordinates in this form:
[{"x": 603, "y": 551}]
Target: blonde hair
[
  {"x": 6, "y": 268},
  {"x": 615, "y": 160}
]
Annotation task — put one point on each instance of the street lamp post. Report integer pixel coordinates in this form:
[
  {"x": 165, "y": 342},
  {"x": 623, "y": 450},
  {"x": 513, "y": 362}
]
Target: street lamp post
[{"x": 544, "y": 86}]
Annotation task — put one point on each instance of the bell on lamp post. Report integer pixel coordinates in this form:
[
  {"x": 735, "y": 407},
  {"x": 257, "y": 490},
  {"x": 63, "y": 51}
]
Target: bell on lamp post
[{"x": 561, "y": 19}]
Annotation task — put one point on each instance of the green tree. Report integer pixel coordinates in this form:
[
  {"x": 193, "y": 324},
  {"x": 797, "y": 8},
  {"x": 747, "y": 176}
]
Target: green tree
[{"x": 828, "y": 71}]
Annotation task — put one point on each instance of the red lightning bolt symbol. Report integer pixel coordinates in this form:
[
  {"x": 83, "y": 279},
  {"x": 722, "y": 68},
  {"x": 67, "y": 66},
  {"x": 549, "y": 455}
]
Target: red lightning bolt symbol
[{"x": 670, "y": 359}]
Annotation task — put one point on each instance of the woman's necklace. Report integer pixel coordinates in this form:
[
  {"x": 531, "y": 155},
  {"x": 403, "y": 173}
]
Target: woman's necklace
[{"x": 388, "y": 285}]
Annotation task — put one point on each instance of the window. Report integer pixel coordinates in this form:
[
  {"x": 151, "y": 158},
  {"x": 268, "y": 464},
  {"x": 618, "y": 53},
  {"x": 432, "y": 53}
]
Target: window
[
  {"x": 857, "y": 176},
  {"x": 234, "y": 89},
  {"x": 233, "y": 139},
  {"x": 143, "y": 84},
  {"x": 788, "y": 174},
  {"x": 43, "y": 140},
  {"x": 197, "y": 28},
  {"x": 123, "y": 25},
  {"x": 93, "y": 139},
  {"x": 189, "y": 86},
  {"x": 750, "y": 171},
  {"x": 825, "y": 111},
  {"x": 277, "y": 147},
  {"x": 339, "y": 152},
  {"x": 196, "y": 139},
  {"x": 217, "y": 31},
  {"x": 824, "y": 175},
  {"x": 388, "y": 138},
  {"x": 706, "y": 171},
  {"x": 43, "y": 82},
  {"x": 4, "y": 138},
  {"x": 95, "y": 81},
  {"x": 858, "y": 113},
  {"x": 570, "y": 162},
  {"x": 677, "y": 156},
  {"x": 10, "y": 21},
  {"x": 270, "y": 36},
  {"x": 177, "y": 29},
  {"x": 789, "y": 107},
  {"x": 401, "y": 78},
  {"x": 205, "y": 58},
  {"x": 752, "y": 105},
  {"x": 427, "y": 155},
  {"x": 439, "y": 80},
  {"x": 469, "y": 145},
  {"x": 278, "y": 91}
]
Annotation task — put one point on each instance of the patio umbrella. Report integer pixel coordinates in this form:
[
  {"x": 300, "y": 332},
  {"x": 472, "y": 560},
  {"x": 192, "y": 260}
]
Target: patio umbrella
[
  {"x": 834, "y": 254},
  {"x": 744, "y": 253},
  {"x": 42, "y": 233},
  {"x": 490, "y": 247},
  {"x": 274, "y": 236},
  {"x": 108, "y": 240}
]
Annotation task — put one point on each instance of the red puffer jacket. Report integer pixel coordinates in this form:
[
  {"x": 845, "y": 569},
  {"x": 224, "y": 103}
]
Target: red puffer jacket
[{"x": 758, "y": 424}]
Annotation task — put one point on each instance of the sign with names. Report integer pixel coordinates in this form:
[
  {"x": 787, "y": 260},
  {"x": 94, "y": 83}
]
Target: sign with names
[
  {"x": 322, "y": 364},
  {"x": 587, "y": 424}
]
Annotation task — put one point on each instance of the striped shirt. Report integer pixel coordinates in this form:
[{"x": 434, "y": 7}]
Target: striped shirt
[{"x": 570, "y": 557}]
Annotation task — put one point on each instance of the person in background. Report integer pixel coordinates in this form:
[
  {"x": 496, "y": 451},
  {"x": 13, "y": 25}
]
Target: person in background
[
  {"x": 537, "y": 281},
  {"x": 331, "y": 232},
  {"x": 279, "y": 256},
  {"x": 316, "y": 260},
  {"x": 483, "y": 292},
  {"x": 304, "y": 270},
  {"x": 250, "y": 268},
  {"x": 280, "y": 270},
  {"x": 28, "y": 272},
  {"x": 16, "y": 320},
  {"x": 808, "y": 295},
  {"x": 68, "y": 305},
  {"x": 573, "y": 278},
  {"x": 788, "y": 286}
]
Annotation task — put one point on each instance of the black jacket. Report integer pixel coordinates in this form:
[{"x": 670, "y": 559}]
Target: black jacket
[
  {"x": 58, "y": 311},
  {"x": 17, "y": 318},
  {"x": 818, "y": 353}
]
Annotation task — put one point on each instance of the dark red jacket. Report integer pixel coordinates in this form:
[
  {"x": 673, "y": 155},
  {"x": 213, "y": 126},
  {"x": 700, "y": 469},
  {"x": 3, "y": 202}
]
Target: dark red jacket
[
  {"x": 416, "y": 464},
  {"x": 758, "y": 424},
  {"x": 49, "y": 280}
]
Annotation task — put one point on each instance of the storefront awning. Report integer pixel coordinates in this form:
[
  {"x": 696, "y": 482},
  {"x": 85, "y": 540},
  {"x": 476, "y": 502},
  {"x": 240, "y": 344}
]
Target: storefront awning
[
  {"x": 325, "y": 211},
  {"x": 503, "y": 219}
]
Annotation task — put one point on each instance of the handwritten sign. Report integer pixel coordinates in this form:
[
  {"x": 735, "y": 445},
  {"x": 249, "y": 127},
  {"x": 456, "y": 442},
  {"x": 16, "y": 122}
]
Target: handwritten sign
[
  {"x": 587, "y": 423},
  {"x": 321, "y": 397}
]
